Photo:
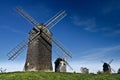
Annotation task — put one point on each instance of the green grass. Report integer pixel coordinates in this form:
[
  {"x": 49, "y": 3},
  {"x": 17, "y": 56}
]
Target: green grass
[{"x": 56, "y": 76}]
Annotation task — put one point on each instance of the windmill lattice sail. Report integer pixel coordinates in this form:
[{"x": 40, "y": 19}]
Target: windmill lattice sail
[
  {"x": 58, "y": 44},
  {"x": 55, "y": 19},
  {"x": 17, "y": 50},
  {"x": 26, "y": 16}
]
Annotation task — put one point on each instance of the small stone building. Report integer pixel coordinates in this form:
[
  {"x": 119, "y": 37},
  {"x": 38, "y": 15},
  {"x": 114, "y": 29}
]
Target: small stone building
[{"x": 84, "y": 70}]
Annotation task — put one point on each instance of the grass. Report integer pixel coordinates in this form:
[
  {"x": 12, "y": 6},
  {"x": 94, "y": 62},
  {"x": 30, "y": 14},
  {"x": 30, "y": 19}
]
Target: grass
[{"x": 56, "y": 76}]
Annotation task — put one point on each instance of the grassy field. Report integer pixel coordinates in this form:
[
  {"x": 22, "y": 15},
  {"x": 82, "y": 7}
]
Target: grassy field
[{"x": 56, "y": 76}]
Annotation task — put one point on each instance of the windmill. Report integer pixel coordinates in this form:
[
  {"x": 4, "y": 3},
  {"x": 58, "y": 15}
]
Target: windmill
[
  {"x": 61, "y": 62},
  {"x": 106, "y": 67},
  {"x": 39, "y": 43}
]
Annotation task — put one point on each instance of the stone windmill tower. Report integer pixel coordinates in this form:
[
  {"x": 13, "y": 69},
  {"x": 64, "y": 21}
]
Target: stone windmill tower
[
  {"x": 39, "y": 43},
  {"x": 39, "y": 54}
]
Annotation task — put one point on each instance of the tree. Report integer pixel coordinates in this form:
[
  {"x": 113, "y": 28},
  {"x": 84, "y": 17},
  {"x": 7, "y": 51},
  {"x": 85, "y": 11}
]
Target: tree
[
  {"x": 2, "y": 70},
  {"x": 99, "y": 72}
]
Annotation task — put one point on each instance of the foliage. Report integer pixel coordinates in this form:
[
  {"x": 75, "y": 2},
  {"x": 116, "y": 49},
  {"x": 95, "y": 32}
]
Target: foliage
[
  {"x": 99, "y": 72},
  {"x": 56, "y": 76},
  {"x": 2, "y": 70}
]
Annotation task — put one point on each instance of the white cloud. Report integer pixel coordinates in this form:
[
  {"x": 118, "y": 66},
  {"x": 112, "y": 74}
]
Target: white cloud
[
  {"x": 91, "y": 25},
  {"x": 116, "y": 32},
  {"x": 99, "y": 53},
  {"x": 88, "y": 24},
  {"x": 118, "y": 25},
  {"x": 110, "y": 7},
  {"x": 107, "y": 10},
  {"x": 8, "y": 28}
]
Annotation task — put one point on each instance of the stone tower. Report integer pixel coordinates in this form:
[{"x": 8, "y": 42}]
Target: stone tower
[{"x": 39, "y": 53}]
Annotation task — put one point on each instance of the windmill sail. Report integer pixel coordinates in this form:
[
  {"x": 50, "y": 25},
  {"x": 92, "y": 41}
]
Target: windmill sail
[
  {"x": 69, "y": 66},
  {"x": 111, "y": 61},
  {"x": 26, "y": 16},
  {"x": 17, "y": 50},
  {"x": 59, "y": 45},
  {"x": 20, "y": 48},
  {"x": 55, "y": 19}
]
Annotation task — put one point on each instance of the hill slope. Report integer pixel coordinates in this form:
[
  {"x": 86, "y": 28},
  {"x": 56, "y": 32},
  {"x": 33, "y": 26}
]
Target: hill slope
[{"x": 55, "y": 76}]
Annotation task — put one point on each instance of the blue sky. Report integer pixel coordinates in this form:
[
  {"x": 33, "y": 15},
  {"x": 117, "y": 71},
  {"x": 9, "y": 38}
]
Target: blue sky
[{"x": 91, "y": 30}]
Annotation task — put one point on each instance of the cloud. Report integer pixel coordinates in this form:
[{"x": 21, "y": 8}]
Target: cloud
[
  {"x": 8, "y": 28},
  {"x": 112, "y": 6},
  {"x": 91, "y": 25},
  {"x": 99, "y": 53},
  {"x": 117, "y": 32},
  {"x": 118, "y": 25},
  {"x": 107, "y": 10},
  {"x": 87, "y": 24}
]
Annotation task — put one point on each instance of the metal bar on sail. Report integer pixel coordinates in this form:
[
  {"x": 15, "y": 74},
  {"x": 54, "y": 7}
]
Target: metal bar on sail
[
  {"x": 17, "y": 50},
  {"x": 69, "y": 65},
  {"x": 26, "y": 16},
  {"x": 58, "y": 44},
  {"x": 110, "y": 61},
  {"x": 55, "y": 19}
]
